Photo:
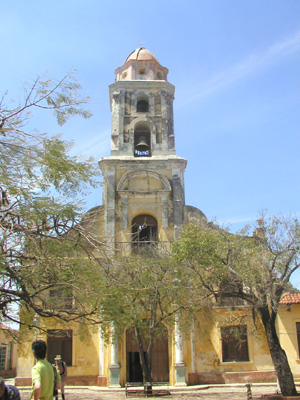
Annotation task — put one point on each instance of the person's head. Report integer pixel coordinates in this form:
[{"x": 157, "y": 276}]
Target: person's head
[
  {"x": 58, "y": 359},
  {"x": 39, "y": 349},
  {"x": 2, "y": 387}
]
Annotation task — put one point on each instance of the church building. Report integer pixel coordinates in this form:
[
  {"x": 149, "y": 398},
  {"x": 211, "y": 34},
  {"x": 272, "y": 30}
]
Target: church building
[
  {"x": 143, "y": 179},
  {"x": 144, "y": 202}
]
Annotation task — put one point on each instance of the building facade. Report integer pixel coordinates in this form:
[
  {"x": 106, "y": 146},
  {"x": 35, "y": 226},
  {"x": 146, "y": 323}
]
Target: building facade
[
  {"x": 8, "y": 352},
  {"x": 144, "y": 202}
]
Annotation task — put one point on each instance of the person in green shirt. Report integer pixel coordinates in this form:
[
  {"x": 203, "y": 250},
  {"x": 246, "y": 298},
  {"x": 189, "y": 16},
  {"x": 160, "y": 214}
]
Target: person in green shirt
[{"x": 42, "y": 373}]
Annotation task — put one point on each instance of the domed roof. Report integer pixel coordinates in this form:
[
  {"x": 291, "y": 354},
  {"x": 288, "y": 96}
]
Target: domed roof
[{"x": 141, "y": 54}]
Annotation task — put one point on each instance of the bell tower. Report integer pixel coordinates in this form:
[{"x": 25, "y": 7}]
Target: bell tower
[{"x": 143, "y": 179}]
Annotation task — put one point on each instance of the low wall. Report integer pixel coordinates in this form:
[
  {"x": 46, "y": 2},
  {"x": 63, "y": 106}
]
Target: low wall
[
  {"x": 10, "y": 373},
  {"x": 70, "y": 381},
  {"x": 231, "y": 377}
]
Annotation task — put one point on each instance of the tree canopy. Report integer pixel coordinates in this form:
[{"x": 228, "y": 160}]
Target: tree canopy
[
  {"x": 146, "y": 293},
  {"x": 253, "y": 268},
  {"x": 41, "y": 191}
]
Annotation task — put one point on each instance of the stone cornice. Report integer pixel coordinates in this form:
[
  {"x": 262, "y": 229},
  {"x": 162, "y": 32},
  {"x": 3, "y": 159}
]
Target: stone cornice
[{"x": 155, "y": 162}]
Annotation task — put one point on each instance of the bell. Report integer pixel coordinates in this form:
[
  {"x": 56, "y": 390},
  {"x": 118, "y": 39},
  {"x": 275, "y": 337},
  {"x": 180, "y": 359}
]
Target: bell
[{"x": 142, "y": 144}]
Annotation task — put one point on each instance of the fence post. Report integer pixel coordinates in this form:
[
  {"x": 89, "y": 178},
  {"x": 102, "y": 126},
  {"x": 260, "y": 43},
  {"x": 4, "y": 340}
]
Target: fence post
[{"x": 249, "y": 392}]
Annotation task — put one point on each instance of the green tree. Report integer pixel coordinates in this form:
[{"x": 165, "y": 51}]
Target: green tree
[
  {"x": 256, "y": 269},
  {"x": 146, "y": 293},
  {"x": 40, "y": 190}
]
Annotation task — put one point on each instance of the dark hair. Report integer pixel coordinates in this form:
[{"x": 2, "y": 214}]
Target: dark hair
[
  {"x": 2, "y": 383},
  {"x": 39, "y": 349}
]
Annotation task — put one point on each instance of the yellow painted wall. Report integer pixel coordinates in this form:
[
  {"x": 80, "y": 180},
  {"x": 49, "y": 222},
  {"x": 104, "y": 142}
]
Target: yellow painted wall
[
  {"x": 286, "y": 328},
  {"x": 208, "y": 347},
  {"x": 5, "y": 339},
  {"x": 208, "y": 344},
  {"x": 85, "y": 351}
]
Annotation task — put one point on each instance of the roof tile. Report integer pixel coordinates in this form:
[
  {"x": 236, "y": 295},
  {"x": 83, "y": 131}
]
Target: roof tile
[{"x": 290, "y": 298}]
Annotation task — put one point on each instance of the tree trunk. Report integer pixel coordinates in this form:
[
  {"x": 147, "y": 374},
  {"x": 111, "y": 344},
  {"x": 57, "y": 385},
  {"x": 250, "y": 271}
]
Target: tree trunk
[
  {"x": 143, "y": 360},
  {"x": 149, "y": 359},
  {"x": 278, "y": 355}
]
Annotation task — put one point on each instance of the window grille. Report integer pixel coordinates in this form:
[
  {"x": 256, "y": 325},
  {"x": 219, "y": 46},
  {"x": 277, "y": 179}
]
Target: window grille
[
  {"x": 2, "y": 357},
  {"x": 234, "y": 343}
]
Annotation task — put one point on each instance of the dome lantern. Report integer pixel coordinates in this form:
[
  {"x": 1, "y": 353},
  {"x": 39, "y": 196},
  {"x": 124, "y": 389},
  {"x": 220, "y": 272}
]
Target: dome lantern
[{"x": 141, "y": 64}]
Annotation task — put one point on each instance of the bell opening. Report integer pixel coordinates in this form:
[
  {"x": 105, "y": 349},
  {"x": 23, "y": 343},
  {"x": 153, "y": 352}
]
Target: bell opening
[{"x": 142, "y": 144}]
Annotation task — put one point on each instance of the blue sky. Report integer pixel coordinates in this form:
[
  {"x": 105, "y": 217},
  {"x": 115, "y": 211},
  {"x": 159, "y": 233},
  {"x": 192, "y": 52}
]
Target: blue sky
[{"x": 235, "y": 67}]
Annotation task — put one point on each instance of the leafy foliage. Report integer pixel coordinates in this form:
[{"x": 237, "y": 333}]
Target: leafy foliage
[
  {"x": 40, "y": 185},
  {"x": 146, "y": 293},
  {"x": 255, "y": 269}
]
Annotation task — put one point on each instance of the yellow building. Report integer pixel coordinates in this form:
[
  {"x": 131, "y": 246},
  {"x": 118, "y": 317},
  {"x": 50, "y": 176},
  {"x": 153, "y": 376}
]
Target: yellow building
[
  {"x": 143, "y": 187},
  {"x": 8, "y": 352}
]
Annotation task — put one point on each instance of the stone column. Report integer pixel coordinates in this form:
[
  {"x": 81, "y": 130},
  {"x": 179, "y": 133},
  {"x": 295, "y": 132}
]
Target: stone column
[
  {"x": 101, "y": 379},
  {"x": 178, "y": 200},
  {"x": 179, "y": 363},
  {"x": 101, "y": 352},
  {"x": 165, "y": 211},
  {"x": 109, "y": 203},
  {"x": 193, "y": 358},
  {"x": 114, "y": 366},
  {"x": 124, "y": 211}
]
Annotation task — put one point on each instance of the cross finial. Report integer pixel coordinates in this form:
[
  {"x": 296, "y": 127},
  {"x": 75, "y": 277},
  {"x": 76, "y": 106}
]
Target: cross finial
[{"x": 140, "y": 44}]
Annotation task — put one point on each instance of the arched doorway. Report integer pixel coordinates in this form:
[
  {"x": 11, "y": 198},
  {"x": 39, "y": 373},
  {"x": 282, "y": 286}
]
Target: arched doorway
[
  {"x": 160, "y": 358},
  {"x": 144, "y": 231}
]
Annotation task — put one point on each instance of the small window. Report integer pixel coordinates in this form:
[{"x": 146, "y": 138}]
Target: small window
[
  {"x": 142, "y": 106},
  {"x": 142, "y": 71},
  {"x": 298, "y": 337},
  {"x": 159, "y": 75},
  {"x": 60, "y": 299},
  {"x": 234, "y": 343},
  {"x": 59, "y": 342},
  {"x": 228, "y": 287},
  {"x": 2, "y": 357}
]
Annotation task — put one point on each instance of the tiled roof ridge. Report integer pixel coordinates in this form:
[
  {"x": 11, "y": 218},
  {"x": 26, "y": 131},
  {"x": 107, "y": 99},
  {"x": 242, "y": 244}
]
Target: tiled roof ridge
[{"x": 290, "y": 298}]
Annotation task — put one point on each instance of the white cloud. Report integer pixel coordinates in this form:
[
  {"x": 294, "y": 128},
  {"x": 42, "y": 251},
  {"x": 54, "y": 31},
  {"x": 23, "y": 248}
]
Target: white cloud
[
  {"x": 97, "y": 145},
  {"x": 254, "y": 63},
  {"x": 238, "y": 222}
]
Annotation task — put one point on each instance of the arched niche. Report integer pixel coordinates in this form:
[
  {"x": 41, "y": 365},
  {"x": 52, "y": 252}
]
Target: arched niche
[
  {"x": 144, "y": 230},
  {"x": 142, "y": 140},
  {"x": 142, "y": 96},
  {"x": 143, "y": 181},
  {"x": 142, "y": 126},
  {"x": 142, "y": 103}
]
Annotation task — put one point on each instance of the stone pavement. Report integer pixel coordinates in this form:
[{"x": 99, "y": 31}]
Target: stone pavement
[{"x": 218, "y": 392}]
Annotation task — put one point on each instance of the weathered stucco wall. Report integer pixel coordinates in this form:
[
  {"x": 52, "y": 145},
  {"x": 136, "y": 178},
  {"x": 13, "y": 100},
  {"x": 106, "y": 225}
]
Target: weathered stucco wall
[
  {"x": 7, "y": 341},
  {"x": 85, "y": 352},
  {"x": 286, "y": 327}
]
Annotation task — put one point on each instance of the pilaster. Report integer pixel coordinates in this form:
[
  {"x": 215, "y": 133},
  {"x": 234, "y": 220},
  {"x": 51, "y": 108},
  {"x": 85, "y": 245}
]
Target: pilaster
[
  {"x": 179, "y": 363},
  {"x": 114, "y": 366}
]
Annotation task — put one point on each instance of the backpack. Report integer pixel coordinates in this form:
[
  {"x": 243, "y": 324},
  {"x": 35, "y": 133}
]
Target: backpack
[
  {"x": 63, "y": 367},
  {"x": 12, "y": 392},
  {"x": 55, "y": 391}
]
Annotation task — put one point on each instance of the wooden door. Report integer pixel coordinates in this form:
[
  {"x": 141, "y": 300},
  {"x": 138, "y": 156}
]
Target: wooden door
[{"x": 160, "y": 359}]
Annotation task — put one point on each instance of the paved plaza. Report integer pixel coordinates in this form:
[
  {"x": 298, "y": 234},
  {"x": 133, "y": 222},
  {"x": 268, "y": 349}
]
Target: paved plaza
[{"x": 208, "y": 393}]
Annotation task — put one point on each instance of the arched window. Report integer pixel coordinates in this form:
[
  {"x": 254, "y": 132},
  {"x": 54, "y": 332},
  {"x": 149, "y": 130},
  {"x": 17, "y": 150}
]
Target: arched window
[
  {"x": 144, "y": 231},
  {"x": 142, "y": 106},
  {"x": 142, "y": 146}
]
